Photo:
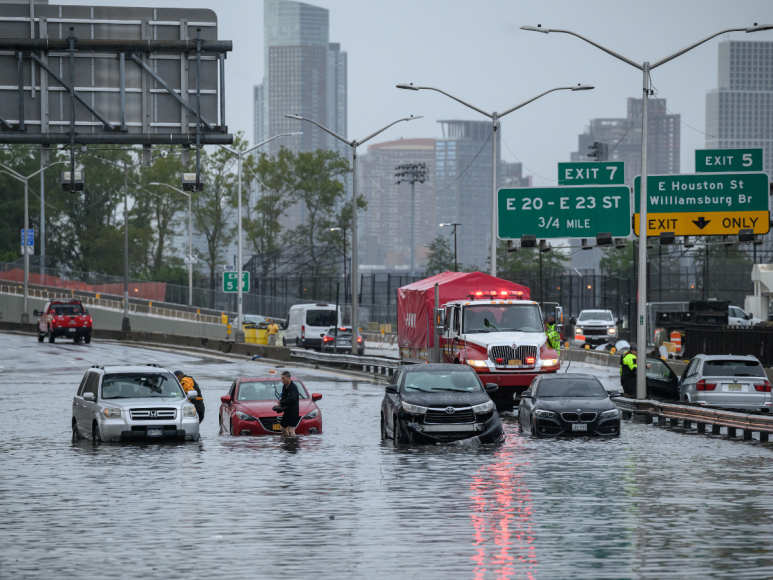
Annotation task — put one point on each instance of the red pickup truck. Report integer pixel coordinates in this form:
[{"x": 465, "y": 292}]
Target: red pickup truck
[{"x": 65, "y": 319}]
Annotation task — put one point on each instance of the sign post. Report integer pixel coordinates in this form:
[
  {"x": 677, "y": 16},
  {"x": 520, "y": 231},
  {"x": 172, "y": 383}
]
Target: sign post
[
  {"x": 229, "y": 281},
  {"x": 707, "y": 204},
  {"x": 564, "y": 212}
]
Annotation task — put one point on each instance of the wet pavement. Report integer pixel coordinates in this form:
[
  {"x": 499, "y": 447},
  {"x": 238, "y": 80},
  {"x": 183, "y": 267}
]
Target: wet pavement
[{"x": 654, "y": 503}]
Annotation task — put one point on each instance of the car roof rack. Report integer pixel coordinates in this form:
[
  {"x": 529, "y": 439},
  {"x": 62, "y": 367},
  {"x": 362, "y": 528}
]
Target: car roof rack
[
  {"x": 154, "y": 365},
  {"x": 97, "y": 367}
]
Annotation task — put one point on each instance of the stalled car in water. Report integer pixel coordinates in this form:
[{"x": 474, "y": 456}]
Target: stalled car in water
[
  {"x": 730, "y": 382},
  {"x": 130, "y": 403},
  {"x": 339, "y": 339},
  {"x": 439, "y": 403},
  {"x": 568, "y": 404},
  {"x": 248, "y": 408}
]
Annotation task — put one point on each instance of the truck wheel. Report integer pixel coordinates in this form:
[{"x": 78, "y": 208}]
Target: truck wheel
[
  {"x": 51, "y": 337},
  {"x": 41, "y": 337},
  {"x": 87, "y": 339},
  {"x": 400, "y": 438},
  {"x": 383, "y": 429},
  {"x": 96, "y": 436},
  {"x": 76, "y": 435}
]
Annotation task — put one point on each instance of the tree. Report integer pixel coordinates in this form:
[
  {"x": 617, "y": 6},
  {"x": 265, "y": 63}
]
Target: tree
[
  {"x": 525, "y": 262},
  {"x": 440, "y": 257},
  {"x": 619, "y": 261}
]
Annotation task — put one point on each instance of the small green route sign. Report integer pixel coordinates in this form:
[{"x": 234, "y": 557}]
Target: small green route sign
[
  {"x": 725, "y": 160},
  {"x": 563, "y": 212},
  {"x": 591, "y": 173},
  {"x": 229, "y": 282}
]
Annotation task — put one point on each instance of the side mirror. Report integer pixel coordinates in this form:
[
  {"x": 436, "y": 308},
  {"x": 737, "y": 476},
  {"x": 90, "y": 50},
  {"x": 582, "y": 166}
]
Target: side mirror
[
  {"x": 316, "y": 396},
  {"x": 87, "y": 311},
  {"x": 88, "y": 397},
  {"x": 615, "y": 394},
  {"x": 37, "y": 313},
  {"x": 526, "y": 394},
  {"x": 391, "y": 389},
  {"x": 492, "y": 387},
  {"x": 572, "y": 320},
  {"x": 748, "y": 317},
  {"x": 225, "y": 399},
  {"x": 192, "y": 395},
  {"x": 620, "y": 321}
]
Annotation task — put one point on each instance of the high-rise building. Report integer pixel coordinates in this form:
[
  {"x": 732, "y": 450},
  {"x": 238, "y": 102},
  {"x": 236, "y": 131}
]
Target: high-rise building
[
  {"x": 623, "y": 139},
  {"x": 336, "y": 97},
  {"x": 384, "y": 227},
  {"x": 258, "y": 115}
]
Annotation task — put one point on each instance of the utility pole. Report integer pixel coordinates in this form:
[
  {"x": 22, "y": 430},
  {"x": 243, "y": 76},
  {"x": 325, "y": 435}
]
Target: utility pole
[{"x": 412, "y": 173}]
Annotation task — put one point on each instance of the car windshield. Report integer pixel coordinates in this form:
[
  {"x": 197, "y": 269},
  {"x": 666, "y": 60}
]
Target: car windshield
[
  {"x": 265, "y": 391},
  {"x": 436, "y": 381},
  {"x": 140, "y": 386},
  {"x": 341, "y": 333},
  {"x": 502, "y": 318},
  {"x": 595, "y": 315},
  {"x": 321, "y": 318},
  {"x": 733, "y": 368},
  {"x": 571, "y": 387},
  {"x": 66, "y": 309}
]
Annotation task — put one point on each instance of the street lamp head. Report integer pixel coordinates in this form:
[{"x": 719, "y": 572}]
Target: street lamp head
[
  {"x": 295, "y": 133},
  {"x": 412, "y": 118},
  {"x": 758, "y": 27},
  {"x": 335, "y": 229},
  {"x": 444, "y": 225},
  {"x": 537, "y": 28},
  {"x": 583, "y": 88},
  {"x": 296, "y": 117},
  {"x": 408, "y": 87}
]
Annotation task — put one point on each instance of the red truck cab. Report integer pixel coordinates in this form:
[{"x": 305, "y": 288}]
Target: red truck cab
[{"x": 67, "y": 319}]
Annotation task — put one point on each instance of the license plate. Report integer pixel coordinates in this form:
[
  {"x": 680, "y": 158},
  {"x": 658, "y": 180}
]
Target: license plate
[
  {"x": 513, "y": 362},
  {"x": 276, "y": 427},
  {"x": 579, "y": 427},
  {"x": 733, "y": 387},
  {"x": 155, "y": 432}
]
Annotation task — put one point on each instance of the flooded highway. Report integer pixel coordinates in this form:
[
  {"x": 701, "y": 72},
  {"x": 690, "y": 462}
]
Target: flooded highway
[{"x": 654, "y": 503}]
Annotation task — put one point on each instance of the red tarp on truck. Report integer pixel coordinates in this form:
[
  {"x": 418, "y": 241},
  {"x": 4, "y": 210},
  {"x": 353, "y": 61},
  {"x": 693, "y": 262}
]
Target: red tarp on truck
[{"x": 415, "y": 302}]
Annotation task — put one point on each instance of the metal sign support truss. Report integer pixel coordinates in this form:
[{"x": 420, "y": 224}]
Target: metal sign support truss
[{"x": 205, "y": 134}]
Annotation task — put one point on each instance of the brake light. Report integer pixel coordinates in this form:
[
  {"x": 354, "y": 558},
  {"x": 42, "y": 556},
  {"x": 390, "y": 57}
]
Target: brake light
[
  {"x": 342, "y": 328},
  {"x": 763, "y": 388},
  {"x": 327, "y": 339},
  {"x": 303, "y": 332},
  {"x": 359, "y": 339},
  {"x": 702, "y": 385},
  {"x": 530, "y": 360}
]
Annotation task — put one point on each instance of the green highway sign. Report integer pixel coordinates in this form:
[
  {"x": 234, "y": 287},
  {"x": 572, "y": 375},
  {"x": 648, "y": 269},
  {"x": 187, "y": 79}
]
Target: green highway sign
[
  {"x": 563, "y": 212},
  {"x": 724, "y": 160},
  {"x": 591, "y": 173},
  {"x": 229, "y": 282},
  {"x": 708, "y": 204}
]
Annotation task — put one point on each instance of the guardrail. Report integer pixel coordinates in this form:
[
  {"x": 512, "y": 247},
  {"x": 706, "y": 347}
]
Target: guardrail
[
  {"x": 671, "y": 413},
  {"x": 372, "y": 364}
]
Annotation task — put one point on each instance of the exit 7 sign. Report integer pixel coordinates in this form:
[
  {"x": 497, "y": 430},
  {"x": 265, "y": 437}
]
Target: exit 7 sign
[{"x": 591, "y": 173}]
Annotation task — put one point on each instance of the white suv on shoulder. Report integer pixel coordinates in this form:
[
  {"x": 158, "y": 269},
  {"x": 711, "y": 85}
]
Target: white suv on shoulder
[{"x": 127, "y": 403}]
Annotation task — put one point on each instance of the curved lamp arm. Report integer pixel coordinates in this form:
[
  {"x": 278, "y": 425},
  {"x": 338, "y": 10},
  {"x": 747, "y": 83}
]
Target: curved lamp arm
[
  {"x": 577, "y": 88},
  {"x": 457, "y": 99},
  {"x": 369, "y": 137},
  {"x": 333, "y": 133}
]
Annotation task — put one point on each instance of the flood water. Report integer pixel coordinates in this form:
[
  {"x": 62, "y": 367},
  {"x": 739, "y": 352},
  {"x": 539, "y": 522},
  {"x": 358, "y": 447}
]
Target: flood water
[{"x": 654, "y": 503}]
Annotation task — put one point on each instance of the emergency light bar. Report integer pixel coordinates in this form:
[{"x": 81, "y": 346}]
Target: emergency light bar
[{"x": 490, "y": 294}]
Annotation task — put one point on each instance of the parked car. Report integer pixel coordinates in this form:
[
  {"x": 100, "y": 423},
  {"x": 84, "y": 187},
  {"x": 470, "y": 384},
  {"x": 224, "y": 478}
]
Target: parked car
[
  {"x": 339, "y": 339},
  {"x": 247, "y": 409},
  {"x": 596, "y": 327},
  {"x": 128, "y": 403},
  {"x": 568, "y": 403},
  {"x": 307, "y": 324},
  {"x": 727, "y": 381},
  {"x": 64, "y": 319},
  {"x": 439, "y": 403}
]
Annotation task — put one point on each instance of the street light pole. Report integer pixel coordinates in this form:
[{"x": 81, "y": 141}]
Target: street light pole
[
  {"x": 495, "y": 124},
  {"x": 353, "y": 144},
  {"x": 343, "y": 230},
  {"x": 239, "y": 333},
  {"x": 646, "y": 68},
  {"x": 456, "y": 265},
  {"x": 25, "y": 317}
]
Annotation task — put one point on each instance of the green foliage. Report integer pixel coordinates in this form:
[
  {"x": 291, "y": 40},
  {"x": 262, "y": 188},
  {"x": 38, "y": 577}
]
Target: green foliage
[
  {"x": 525, "y": 263},
  {"x": 619, "y": 262},
  {"x": 440, "y": 257}
]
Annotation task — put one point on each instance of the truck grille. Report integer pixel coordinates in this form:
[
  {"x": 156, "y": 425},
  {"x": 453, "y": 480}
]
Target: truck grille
[
  {"x": 269, "y": 422},
  {"x": 460, "y": 415},
  {"x": 153, "y": 414},
  {"x": 594, "y": 331},
  {"x": 508, "y": 353}
]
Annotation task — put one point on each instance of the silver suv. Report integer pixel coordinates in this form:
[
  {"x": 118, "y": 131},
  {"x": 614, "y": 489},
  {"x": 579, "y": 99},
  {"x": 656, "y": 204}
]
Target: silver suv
[
  {"x": 596, "y": 327},
  {"x": 732, "y": 382},
  {"x": 126, "y": 403}
]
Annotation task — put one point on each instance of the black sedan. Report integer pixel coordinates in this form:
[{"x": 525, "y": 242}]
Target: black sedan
[
  {"x": 340, "y": 340},
  {"x": 568, "y": 403},
  {"x": 439, "y": 403}
]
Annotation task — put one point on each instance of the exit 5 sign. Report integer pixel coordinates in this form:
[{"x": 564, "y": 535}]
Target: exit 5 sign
[{"x": 726, "y": 160}]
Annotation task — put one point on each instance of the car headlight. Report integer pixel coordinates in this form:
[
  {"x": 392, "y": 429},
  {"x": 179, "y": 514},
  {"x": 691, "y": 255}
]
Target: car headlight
[
  {"x": 189, "y": 411},
  {"x": 477, "y": 363},
  {"x": 414, "y": 409},
  {"x": 549, "y": 362},
  {"x": 313, "y": 415},
  {"x": 483, "y": 407},
  {"x": 543, "y": 413},
  {"x": 610, "y": 413},
  {"x": 112, "y": 413},
  {"x": 578, "y": 330},
  {"x": 245, "y": 416},
  {"x": 611, "y": 330}
]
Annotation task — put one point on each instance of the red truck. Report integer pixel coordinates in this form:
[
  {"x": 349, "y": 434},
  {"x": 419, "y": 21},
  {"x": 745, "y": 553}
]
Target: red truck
[
  {"x": 488, "y": 323},
  {"x": 67, "y": 319}
]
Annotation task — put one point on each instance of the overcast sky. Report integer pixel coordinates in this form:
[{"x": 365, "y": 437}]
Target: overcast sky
[{"x": 475, "y": 50}]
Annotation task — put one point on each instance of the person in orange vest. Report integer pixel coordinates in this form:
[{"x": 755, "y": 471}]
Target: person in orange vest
[{"x": 188, "y": 384}]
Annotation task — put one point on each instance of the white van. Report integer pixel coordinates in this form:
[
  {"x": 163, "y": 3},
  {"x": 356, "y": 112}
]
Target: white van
[{"x": 308, "y": 323}]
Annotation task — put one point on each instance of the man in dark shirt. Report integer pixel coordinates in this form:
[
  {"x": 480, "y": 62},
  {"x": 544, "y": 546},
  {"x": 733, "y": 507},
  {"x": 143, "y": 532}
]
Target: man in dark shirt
[{"x": 290, "y": 401}]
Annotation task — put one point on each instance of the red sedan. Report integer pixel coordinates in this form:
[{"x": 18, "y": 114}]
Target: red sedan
[{"x": 247, "y": 409}]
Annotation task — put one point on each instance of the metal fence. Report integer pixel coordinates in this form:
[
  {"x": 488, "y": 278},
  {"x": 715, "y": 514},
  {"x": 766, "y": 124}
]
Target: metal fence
[{"x": 742, "y": 340}]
